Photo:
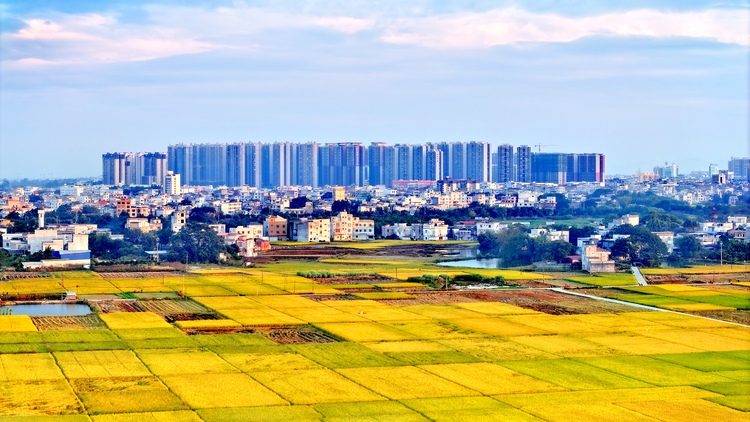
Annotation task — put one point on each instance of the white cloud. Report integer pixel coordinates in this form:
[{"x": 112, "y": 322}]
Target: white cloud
[
  {"x": 170, "y": 31},
  {"x": 511, "y": 26}
]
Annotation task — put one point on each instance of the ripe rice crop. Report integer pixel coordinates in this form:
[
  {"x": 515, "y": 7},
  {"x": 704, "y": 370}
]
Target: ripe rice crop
[
  {"x": 573, "y": 375},
  {"x": 654, "y": 371},
  {"x": 587, "y": 397},
  {"x": 384, "y": 295},
  {"x": 432, "y": 330},
  {"x": 185, "y": 361},
  {"x": 128, "y": 394},
  {"x": 16, "y": 323},
  {"x": 133, "y": 320},
  {"x": 191, "y": 290},
  {"x": 405, "y": 382},
  {"x": 566, "y": 346},
  {"x": 261, "y": 317},
  {"x": 389, "y": 313},
  {"x": 364, "y": 331},
  {"x": 173, "y": 416},
  {"x": 692, "y": 409},
  {"x": 148, "y": 285},
  {"x": 490, "y": 379},
  {"x": 496, "y": 349},
  {"x": 407, "y": 346},
  {"x": 37, "y": 398},
  {"x": 282, "y": 302},
  {"x": 592, "y": 412},
  {"x": 432, "y": 358},
  {"x": 376, "y": 410},
  {"x": 101, "y": 364},
  {"x": 29, "y": 367},
  {"x": 208, "y": 324},
  {"x": 323, "y": 314},
  {"x": 343, "y": 355},
  {"x": 495, "y": 308},
  {"x": 255, "y": 362},
  {"x": 466, "y": 409},
  {"x": 497, "y": 326},
  {"x": 443, "y": 312},
  {"x": 703, "y": 340},
  {"x": 636, "y": 344},
  {"x": 310, "y": 386},
  {"x": 255, "y": 289},
  {"x": 693, "y": 307},
  {"x": 265, "y": 414},
  {"x": 223, "y": 303},
  {"x": 221, "y": 390}
]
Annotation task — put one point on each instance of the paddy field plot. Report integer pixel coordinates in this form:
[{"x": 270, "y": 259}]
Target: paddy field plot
[
  {"x": 29, "y": 367},
  {"x": 16, "y": 323},
  {"x": 309, "y": 386},
  {"x": 344, "y": 355},
  {"x": 377, "y": 410},
  {"x": 573, "y": 375},
  {"x": 221, "y": 390},
  {"x": 184, "y": 361},
  {"x": 405, "y": 382},
  {"x": 169, "y": 416},
  {"x": 264, "y": 362},
  {"x": 490, "y": 379},
  {"x": 37, "y": 398},
  {"x": 654, "y": 371},
  {"x": 101, "y": 364},
  {"x": 467, "y": 409},
  {"x": 128, "y": 394},
  {"x": 133, "y": 320},
  {"x": 264, "y": 414}
]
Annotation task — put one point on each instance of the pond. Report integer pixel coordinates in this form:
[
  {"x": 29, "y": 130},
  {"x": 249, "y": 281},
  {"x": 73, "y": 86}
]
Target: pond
[
  {"x": 46, "y": 309},
  {"x": 473, "y": 263}
]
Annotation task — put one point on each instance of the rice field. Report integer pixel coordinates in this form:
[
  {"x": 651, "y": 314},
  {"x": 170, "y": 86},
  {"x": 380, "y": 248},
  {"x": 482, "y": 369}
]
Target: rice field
[{"x": 278, "y": 354}]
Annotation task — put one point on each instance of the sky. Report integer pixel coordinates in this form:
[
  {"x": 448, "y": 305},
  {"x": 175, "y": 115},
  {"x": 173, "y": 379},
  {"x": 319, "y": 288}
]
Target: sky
[{"x": 644, "y": 82}]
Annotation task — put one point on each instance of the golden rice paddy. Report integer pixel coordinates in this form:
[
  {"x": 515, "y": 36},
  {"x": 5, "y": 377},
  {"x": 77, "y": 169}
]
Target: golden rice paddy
[{"x": 464, "y": 361}]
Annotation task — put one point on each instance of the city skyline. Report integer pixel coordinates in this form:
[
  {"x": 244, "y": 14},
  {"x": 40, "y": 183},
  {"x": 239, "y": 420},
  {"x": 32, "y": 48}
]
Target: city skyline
[
  {"x": 270, "y": 165},
  {"x": 641, "y": 82}
]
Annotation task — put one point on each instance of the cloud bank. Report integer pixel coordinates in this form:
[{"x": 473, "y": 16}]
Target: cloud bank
[{"x": 170, "y": 31}]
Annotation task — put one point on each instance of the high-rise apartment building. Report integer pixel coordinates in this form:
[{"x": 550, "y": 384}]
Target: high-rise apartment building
[
  {"x": 180, "y": 161},
  {"x": 523, "y": 164},
  {"x": 127, "y": 168},
  {"x": 434, "y": 164},
  {"x": 478, "y": 161},
  {"x": 253, "y": 164},
  {"x": 504, "y": 163},
  {"x": 549, "y": 167},
  {"x": 307, "y": 164},
  {"x": 458, "y": 160},
  {"x": 172, "y": 184},
  {"x": 585, "y": 168},
  {"x": 403, "y": 162},
  {"x": 113, "y": 167},
  {"x": 740, "y": 167},
  {"x": 667, "y": 171},
  {"x": 418, "y": 162},
  {"x": 235, "y": 165}
]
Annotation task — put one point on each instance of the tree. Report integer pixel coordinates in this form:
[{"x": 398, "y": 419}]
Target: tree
[
  {"x": 553, "y": 251},
  {"x": 641, "y": 247},
  {"x": 298, "y": 202},
  {"x": 689, "y": 247},
  {"x": 197, "y": 242},
  {"x": 657, "y": 222},
  {"x": 203, "y": 215}
]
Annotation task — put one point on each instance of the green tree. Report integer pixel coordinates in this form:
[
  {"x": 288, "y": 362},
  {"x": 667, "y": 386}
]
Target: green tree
[
  {"x": 641, "y": 248},
  {"x": 197, "y": 242},
  {"x": 689, "y": 247},
  {"x": 553, "y": 251}
]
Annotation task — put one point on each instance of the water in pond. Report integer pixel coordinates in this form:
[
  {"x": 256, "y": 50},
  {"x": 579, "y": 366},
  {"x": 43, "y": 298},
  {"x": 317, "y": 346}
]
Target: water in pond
[
  {"x": 47, "y": 309},
  {"x": 473, "y": 263}
]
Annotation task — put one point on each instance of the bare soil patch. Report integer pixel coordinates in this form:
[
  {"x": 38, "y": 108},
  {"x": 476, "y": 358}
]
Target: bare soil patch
[
  {"x": 297, "y": 335},
  {"x": 63, "y": 323}
]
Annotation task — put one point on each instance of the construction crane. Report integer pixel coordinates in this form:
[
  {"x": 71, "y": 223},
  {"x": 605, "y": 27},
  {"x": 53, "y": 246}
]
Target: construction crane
[{"x": 539, "y": 146}]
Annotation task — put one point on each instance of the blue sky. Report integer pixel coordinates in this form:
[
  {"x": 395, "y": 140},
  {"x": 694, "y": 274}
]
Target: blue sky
[{"x": 643, "y": 81}]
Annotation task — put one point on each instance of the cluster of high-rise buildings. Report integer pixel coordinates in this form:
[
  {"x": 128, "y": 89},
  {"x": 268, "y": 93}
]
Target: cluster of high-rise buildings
[
  {"x": 267, "y": 165},
  {"x": 140, "y": 168}
]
